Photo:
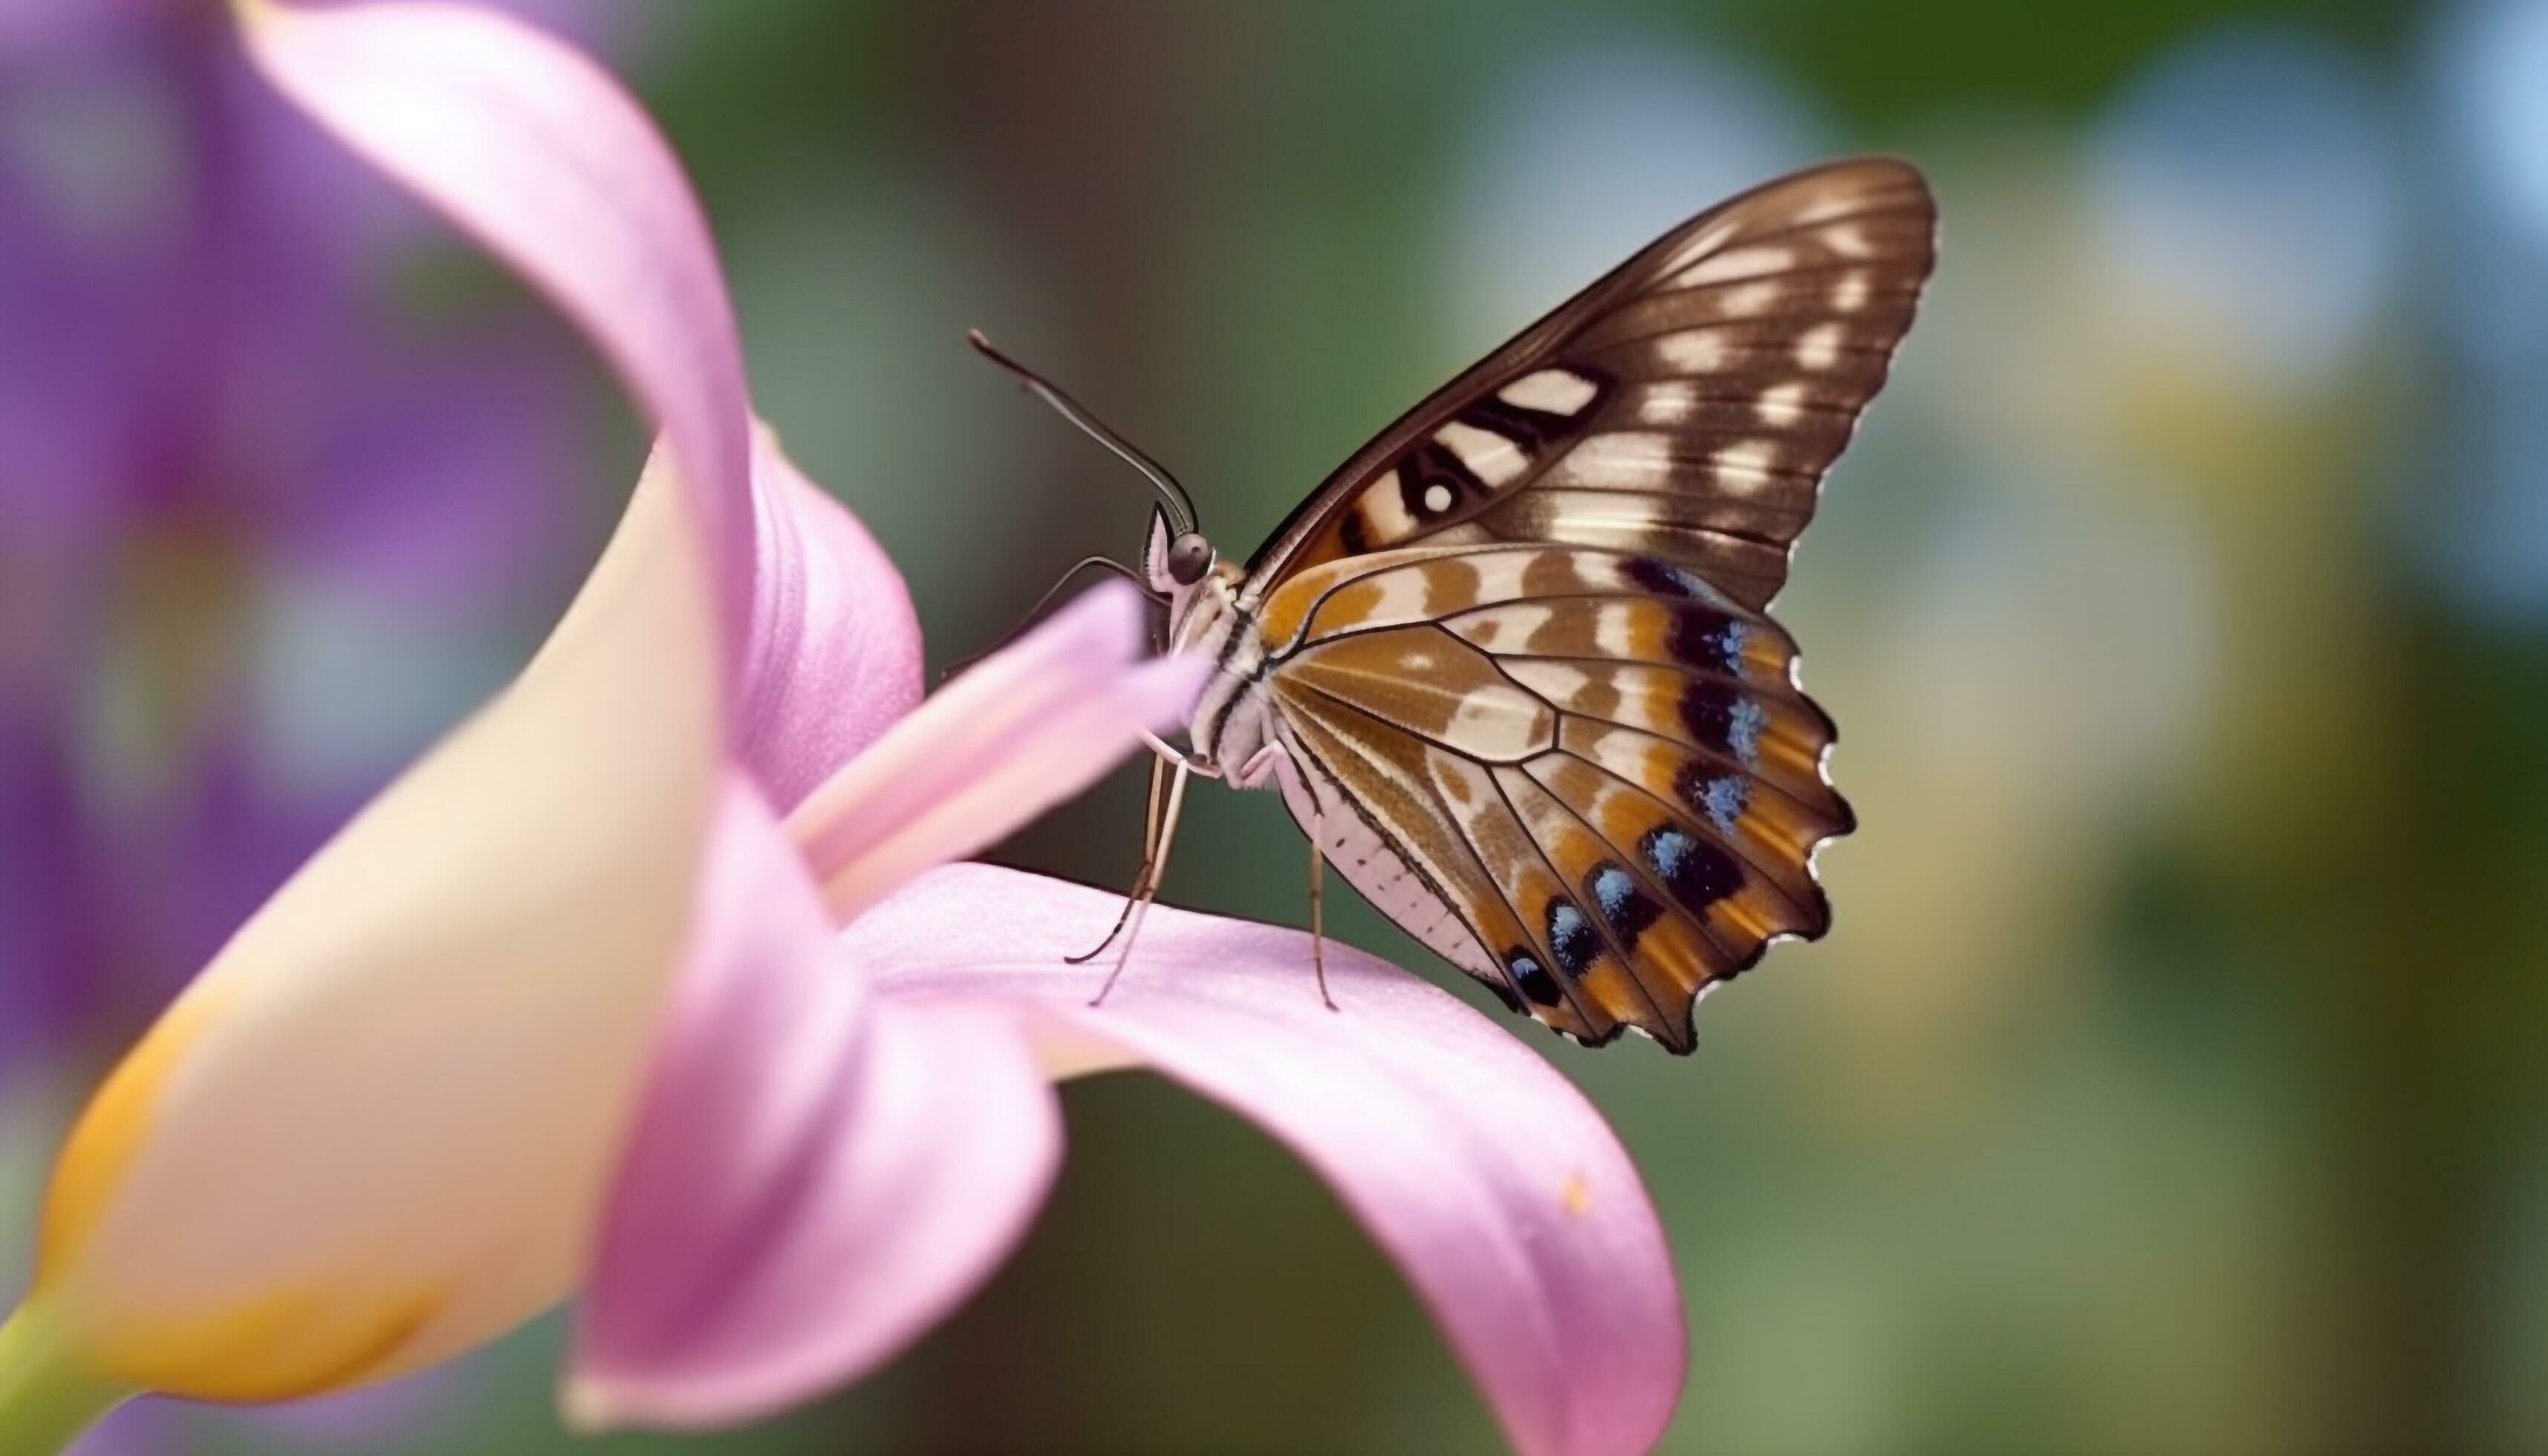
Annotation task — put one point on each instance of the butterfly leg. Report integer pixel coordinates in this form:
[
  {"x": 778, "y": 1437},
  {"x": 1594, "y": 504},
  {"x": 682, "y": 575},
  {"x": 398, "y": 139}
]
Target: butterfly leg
[
  {"x": 1318, "y": 903},
  {"x": 1164, "y": 756},
  {"x": 1260, "y": 767},
  {"x": 1192, "y": 765},
  {"x": 1148, "y": 890},
  {"x": 1160, "y": 763}
]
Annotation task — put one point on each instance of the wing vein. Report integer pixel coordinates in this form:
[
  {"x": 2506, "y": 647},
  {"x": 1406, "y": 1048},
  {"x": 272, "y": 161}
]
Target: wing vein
[
  {"x": 1654, "y": 889},
  {"x": 1626, "y": 967}
]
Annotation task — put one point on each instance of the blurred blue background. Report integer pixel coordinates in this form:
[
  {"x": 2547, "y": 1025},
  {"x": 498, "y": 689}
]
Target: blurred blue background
[{"x": 2171, "y": 1081}]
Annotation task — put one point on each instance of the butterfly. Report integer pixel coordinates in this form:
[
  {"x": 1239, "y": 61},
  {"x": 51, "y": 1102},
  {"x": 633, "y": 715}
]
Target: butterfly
[{"x": 1512, "y": 665}]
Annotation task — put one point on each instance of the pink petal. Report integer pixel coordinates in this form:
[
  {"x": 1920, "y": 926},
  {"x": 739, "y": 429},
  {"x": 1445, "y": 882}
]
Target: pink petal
[
  {"x": 834, "y": 654},
  {"x": 814, "y": 1179},
  {"x": 533, "y": 149},
  {"x": 1026, "y": 729},
  {"x": 1495, "y": 1185}
]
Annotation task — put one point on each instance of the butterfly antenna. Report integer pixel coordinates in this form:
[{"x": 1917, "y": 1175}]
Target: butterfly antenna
[
  {"x": 1034, "y": 613},
  {"x": 1181, "y": 510}
]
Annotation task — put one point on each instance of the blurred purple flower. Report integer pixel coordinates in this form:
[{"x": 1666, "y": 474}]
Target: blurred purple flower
[{"x": 211, "y": 416}]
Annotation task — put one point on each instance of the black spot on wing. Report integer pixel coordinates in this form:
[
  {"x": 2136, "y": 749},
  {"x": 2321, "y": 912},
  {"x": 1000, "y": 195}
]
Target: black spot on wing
[
  {"x": 1536, "y": 431},
  {"x": 1722, "y": 797},
  {"x": 1532, "y": 977},
  {"x": 1720, "y": 717},
  {"x": 1627, "y": 909},
  {"x": 1664, "y": 578},
  {"x": 1709, "y": 639},
  {"x": 1572, "y": 938},
  {"x": 1529, "y": 429},
  {"x": 1353, "y": 534},
  {"x": 1433, "y": 463},
  {"x": 1697, "y": 874}
]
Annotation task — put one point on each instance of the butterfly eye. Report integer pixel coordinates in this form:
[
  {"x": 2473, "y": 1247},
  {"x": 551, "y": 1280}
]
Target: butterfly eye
[{"x": 1189, "y": 557}]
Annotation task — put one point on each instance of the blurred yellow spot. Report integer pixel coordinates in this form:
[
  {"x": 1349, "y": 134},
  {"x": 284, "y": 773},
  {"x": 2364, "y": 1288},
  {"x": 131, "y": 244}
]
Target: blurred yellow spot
[{"x": 1577, "y": 1196}]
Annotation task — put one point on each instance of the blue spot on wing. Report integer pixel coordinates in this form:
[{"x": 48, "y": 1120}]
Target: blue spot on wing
[
  {"x": 1627, "y": 909},
  {"x": 1743, "y": 727},
  {"x": 1723, "y": 799},
  {"x": 1612, "y": 887},
  {"x": 1697, "y": 874},
  {"x": 1665, "y": 849},
  {"x": 1706, "y": 638},
  {"x": 1571, "y": 939},
  {"x": 1532, "y": 977},
  {"x": 1730, "y": 644},
  {"x": 1720, "y": 717}
]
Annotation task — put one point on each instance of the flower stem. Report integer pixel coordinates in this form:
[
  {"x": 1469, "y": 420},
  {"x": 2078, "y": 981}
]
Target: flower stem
[{"x": 46, "y": 1398}]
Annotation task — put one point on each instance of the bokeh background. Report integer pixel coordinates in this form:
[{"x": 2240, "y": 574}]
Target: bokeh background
[{"x": 2174, "y": 1079}]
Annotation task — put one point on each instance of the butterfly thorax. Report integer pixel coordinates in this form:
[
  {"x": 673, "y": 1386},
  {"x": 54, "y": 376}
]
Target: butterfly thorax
[{"x": 1210, "y": 620}]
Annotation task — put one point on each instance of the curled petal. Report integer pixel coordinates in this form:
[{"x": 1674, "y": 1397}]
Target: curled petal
[
  {"x": 816, "y": 1178},
  {"x": 533, "y": 149},
  {"x": 1495, "y": 1185},
  {"x": 834, "y": 654},
  {"x": 1030, "y": 727}
]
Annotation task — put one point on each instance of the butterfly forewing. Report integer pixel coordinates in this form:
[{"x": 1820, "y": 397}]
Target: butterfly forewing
[
  {"x": 1523, "y": 634},
  {"x": 1685, "y": 406}
]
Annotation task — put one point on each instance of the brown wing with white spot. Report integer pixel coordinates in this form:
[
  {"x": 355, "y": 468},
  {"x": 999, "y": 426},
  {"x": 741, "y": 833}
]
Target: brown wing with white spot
[
  {"x": 1523, "y": 634},
  {"x": 1602, "y": 764},
  {"x": 1682, "y": 408}
]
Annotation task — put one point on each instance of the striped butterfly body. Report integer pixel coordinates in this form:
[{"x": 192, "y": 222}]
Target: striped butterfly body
[{"x": 1511, "y": 664}]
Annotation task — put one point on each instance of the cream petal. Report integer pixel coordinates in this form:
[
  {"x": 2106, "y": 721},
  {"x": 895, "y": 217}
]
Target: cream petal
[{"x": 388, "y": 1108}]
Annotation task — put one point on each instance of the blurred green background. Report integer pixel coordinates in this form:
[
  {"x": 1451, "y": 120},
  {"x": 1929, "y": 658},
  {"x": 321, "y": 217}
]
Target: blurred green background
[{"x": 2171, "y": 1082}]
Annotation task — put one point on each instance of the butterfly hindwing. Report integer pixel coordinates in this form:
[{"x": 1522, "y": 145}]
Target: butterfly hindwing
[
  {"x": 1637, "y": 777},
  {"x": 1435, "y": 812},
  {"x": 1387, "y": 810},
  {"x": 1523, "y": 636}
]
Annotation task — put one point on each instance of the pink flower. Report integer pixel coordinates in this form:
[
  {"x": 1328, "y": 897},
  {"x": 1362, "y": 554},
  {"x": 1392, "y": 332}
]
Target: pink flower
[{"x": 656, "y": 977}]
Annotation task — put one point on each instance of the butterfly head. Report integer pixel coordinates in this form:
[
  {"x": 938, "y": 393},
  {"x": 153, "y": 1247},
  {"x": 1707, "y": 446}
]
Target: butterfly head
[
  {"x": 1175, "y": 561},
  {"x": 1197, "y": 585}
]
